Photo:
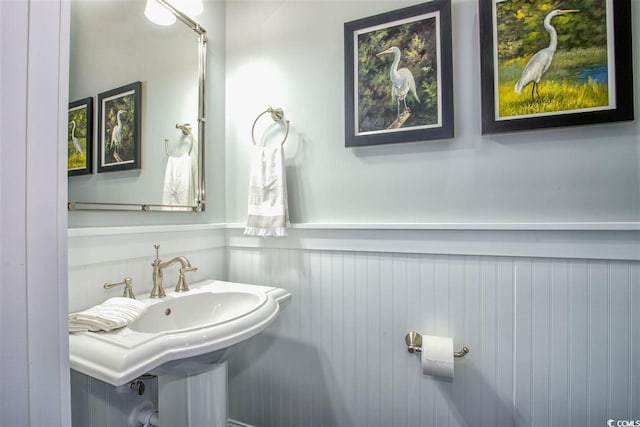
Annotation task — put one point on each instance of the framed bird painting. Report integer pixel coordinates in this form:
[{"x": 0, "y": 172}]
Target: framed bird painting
[
  {"x": 398, "y": 76},
  {"x": 119, "y": 118},
  {"x": 80, "y": 137},
  {"x": 554, "y": 63}
]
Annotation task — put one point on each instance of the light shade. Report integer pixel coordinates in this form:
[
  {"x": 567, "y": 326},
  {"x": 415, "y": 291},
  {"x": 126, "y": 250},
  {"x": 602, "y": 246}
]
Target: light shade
[{"x": 158, "y": 14}]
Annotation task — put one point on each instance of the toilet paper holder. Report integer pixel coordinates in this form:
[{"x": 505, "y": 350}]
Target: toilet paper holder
[{"x": 414, "y": 344}]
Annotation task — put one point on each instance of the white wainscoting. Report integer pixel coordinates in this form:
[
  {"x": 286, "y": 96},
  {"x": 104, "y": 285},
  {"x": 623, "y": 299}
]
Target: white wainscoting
[
  {"x": 554, "y": 338},
  {"x": 554, "y": 341}
]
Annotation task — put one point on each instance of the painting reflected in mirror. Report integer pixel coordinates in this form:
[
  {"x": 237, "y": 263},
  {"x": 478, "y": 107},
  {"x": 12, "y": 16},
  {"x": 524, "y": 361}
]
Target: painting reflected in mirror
[
  {"x": 119, "y": 128},
  {"x": 80, "y": 137}
]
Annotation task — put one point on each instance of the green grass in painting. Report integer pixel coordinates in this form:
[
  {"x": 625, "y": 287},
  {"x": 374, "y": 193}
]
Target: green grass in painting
[
  {"x": 554, "y": 96},
  {"x": 76, "y": 160},
  {"x": 558, "y": 90}
]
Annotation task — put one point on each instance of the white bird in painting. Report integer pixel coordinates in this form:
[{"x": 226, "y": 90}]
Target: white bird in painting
[
  {"x": 540, "y": 62},
  {"x": 116, "y": 137},
  {"x": 75, "y": 141},
  {"x": 402, "y": 80}
]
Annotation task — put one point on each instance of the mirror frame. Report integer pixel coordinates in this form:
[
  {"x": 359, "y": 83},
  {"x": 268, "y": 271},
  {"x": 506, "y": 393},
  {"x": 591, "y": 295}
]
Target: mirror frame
[{"x": 200, "y": 194}]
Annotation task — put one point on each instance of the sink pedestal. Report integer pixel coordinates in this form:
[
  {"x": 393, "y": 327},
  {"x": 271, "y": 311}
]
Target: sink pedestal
[{"x": 194, "y": 400}]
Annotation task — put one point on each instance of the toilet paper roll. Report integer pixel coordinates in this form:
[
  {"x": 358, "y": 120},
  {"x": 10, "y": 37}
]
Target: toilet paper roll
[{"x": 437, "y": 356}]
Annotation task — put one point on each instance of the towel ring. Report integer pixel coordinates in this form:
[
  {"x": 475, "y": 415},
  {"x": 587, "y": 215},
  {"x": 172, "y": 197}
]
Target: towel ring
[
  {"x": 276, "y": 115},
  {"x": 186, "y": 131}
]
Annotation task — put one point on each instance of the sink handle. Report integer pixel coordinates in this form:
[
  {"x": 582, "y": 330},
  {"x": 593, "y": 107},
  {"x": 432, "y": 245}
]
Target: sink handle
[
  {"x": 128, "y": 290},
  {"x": 182, "y": 282}
]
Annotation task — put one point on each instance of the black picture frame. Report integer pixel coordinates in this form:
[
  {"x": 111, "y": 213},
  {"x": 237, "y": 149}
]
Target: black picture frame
[
  {"x": 374, "y": 112},
  {"x": 576, "y": 65},
  {"x": 80, "y": 137},
  {"x": 119, "y": 118}
]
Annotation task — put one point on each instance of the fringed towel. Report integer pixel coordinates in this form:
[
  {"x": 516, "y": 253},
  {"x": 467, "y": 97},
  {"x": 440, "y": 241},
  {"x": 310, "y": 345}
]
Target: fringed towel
[
  {"x": 112, "y": 314},
  {"x": 268, "y": 213},
  {"x": 179, "y": 182}
]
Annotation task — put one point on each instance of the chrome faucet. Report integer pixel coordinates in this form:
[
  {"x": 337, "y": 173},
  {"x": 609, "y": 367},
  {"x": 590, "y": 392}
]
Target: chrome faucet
[{"x": 158, "y": 265}]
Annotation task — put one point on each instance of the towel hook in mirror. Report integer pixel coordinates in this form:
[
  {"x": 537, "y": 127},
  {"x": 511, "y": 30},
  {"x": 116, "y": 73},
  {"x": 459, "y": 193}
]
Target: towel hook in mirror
[{"x": 277, "y": 114}]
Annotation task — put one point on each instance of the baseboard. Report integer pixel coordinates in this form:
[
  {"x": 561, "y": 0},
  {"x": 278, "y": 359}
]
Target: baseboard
[{"x": 234, "y": 423}]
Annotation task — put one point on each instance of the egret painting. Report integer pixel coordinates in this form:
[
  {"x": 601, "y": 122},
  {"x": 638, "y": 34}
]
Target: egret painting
[
  {"x": 80, "y": 136},
  {"x": 119, "y": 124},
  {"x": 402, "y": 82},
  {"x": 398, "y": 76},
  {"x": 552, "y": 62}
]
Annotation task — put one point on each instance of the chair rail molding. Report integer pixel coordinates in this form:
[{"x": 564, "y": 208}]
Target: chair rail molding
[{"x": 613, "y": 241}]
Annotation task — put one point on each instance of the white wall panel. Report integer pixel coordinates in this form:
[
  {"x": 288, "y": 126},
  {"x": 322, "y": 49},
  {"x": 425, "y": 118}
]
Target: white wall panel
[
  {"x": 34, "y": 375},
  {"x": 113, "y": 254},
  {"x": 553, "y": 341}
]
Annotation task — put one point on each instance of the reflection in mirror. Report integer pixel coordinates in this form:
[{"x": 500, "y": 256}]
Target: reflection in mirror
[{"x": 114, "y": 45}]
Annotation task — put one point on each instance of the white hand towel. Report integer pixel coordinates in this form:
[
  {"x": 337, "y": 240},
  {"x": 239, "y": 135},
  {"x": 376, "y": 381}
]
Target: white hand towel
[
  {"x": 179, "y": 181},
  {"x": 112, "y": 314},
  {"x": 268, "y": 213}
]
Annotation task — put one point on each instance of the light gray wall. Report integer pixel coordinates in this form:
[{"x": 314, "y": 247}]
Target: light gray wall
[{"x": 289, "y": 53}]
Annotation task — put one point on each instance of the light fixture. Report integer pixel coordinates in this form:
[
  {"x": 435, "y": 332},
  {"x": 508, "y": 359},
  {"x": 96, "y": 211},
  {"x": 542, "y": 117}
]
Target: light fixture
[
  {"x": 191, "y": 8},
  {"x": 160, "y": 15}
]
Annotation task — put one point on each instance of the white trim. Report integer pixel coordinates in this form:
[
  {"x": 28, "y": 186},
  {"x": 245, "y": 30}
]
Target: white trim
[
  {"x": 578, "y": 226},
  {"x": 508, "y": 226},
  {"x": 112, "y": 231},
  {"x": 593, "y": 240},
  {"x": 234, "y": 423},
  {"x": 599, "y": 244}
]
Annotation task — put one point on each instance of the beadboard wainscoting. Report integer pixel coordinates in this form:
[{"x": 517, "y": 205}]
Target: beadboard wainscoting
[
  {"x": 555, "y": 341},
  {"x": 551, "y": 314}
]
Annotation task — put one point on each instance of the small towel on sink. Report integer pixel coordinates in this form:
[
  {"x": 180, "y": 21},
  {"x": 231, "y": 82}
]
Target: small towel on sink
[{"x": 112, "y": 314}]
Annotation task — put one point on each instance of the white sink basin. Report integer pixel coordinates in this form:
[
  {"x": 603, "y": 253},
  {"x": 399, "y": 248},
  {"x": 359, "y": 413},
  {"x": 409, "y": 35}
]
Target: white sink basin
[
  {"x": 183, "y": 333},
  {"x": 196, "y": 311}
]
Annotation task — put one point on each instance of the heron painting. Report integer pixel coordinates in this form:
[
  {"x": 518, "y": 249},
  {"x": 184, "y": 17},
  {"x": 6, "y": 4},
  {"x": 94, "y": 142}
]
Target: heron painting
[
  {"x": 390, "y": 92},
  {"x": 402, "y": 82},
  {"x": 399, "y": 76},
  {"x": 119, "y": 124},
  {"x": 540, "y": 62},
  {"x": 80, "y": 135},
  {"x": 551, "y": 57}
]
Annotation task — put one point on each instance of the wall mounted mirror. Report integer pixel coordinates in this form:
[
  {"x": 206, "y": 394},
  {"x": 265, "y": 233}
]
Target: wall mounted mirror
[{"x": 113, "y": 45}]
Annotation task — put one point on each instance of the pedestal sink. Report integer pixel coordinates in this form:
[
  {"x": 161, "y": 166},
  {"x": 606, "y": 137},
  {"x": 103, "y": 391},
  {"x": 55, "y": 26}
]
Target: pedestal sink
[{"x": 185, "y": 339}]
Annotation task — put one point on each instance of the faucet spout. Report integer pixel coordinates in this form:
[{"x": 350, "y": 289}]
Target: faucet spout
[{"x": 182, "y": 260}]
